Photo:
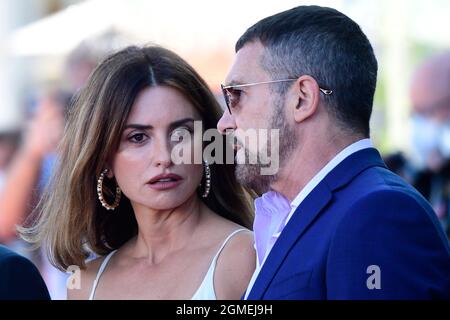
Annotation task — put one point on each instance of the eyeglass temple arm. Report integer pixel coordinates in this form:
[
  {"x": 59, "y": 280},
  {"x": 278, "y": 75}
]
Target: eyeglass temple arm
[{"x": 324, "y": 91}]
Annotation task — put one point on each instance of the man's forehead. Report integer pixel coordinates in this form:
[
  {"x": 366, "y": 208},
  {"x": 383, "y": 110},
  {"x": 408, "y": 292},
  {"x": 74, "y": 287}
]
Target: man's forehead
[{"x": 246, "y": 64}]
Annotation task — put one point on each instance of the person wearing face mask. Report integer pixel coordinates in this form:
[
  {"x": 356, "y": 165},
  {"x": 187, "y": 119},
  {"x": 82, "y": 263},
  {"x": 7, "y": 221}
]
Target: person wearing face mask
[{"x": 430, "y": 98}]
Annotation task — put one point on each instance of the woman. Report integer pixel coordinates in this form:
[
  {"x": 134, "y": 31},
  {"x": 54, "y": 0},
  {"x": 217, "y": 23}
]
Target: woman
[{"x": 164, "y": 230}]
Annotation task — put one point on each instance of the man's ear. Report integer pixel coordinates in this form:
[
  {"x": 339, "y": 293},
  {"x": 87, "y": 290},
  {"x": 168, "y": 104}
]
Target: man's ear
[{"x": 307, "y": 94}]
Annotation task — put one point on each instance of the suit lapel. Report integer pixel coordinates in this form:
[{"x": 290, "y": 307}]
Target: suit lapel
[{"x": 308, "y": 211}]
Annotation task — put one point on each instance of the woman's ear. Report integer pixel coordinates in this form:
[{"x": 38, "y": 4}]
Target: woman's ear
[
  {"x": 307, "y": 97},
  {"x": 110, "y": 173}
]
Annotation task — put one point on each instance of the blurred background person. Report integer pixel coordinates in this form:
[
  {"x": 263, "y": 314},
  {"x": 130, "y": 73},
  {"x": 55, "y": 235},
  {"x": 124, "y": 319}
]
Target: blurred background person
[
  {"x": 427, "y": 166},
  {"x": 430, "y": 98},
  {"x": 22, "y": 178},
  {"x": 9, "y": 142}
]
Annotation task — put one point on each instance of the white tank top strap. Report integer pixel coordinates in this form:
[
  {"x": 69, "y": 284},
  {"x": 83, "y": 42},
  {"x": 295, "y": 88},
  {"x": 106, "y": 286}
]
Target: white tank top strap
[
  {"x": 99, "y": 273},
  {"x": 206, "y": 290},
  {"x": 225, "y": 243}
]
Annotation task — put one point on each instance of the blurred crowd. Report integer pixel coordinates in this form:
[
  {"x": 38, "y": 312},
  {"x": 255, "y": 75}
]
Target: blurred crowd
[{"x": 27, "y": 158}]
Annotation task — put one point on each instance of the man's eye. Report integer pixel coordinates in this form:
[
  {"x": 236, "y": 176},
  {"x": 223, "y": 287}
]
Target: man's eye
[
  {"x": 236, "y": 93},
  {"x": 235, "y": 96}
]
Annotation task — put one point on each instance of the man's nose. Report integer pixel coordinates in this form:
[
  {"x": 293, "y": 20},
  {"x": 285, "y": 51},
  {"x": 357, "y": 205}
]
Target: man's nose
[{"x": 226, "y": 122}]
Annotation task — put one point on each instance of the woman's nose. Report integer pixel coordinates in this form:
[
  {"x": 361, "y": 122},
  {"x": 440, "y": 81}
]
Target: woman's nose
[{"x": 162, "y": 153}]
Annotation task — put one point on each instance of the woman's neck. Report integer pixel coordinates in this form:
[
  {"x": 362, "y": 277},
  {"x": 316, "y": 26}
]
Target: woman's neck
[{"x": 161, "y": 232}]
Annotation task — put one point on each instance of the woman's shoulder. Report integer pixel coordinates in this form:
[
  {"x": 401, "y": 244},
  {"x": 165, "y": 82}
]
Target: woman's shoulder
[
  {"x": 87, "y": 277},
  {"x": 220, "y": 228},
  {"x": 235, "y": 265}
]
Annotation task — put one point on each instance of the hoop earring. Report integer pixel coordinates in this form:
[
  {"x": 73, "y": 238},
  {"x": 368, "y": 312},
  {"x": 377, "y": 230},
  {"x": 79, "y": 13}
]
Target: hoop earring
[
  {"x": 207, "y": 179},
  {"x": 100, "y": 193}
]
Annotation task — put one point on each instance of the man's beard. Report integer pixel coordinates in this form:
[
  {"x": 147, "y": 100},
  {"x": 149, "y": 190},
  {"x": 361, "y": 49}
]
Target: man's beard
[{"x": 249, "y": 175}]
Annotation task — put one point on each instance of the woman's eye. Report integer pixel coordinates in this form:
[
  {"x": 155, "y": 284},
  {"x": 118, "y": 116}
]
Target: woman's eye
[{"x": 137, "y": 138}]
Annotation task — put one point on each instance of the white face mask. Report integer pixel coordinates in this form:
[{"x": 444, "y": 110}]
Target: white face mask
[
  {"x": 427, "y": 137},
  {"x": 445, "y": 142}
]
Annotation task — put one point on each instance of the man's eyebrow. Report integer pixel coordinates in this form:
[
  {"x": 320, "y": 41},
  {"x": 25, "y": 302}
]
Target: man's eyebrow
[{"x": 233, "y": 83}]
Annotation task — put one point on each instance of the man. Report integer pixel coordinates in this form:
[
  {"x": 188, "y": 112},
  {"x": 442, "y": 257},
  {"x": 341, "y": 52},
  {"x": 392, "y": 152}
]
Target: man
[
  {"x": 19, "y": 278},
  {"x": 334, "y": 222}
]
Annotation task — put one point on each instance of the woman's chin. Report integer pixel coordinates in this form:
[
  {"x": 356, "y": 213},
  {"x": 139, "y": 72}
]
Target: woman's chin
[{"x": 166, "y": 202}]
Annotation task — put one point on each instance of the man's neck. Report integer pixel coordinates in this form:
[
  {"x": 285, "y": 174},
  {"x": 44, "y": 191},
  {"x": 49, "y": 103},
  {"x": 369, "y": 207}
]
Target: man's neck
[{"x": 306, "y": 162}]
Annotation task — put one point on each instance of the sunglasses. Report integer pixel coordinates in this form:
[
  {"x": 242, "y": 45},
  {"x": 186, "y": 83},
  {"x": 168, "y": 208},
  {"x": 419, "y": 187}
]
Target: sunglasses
[{"x": 232, "y": 94}]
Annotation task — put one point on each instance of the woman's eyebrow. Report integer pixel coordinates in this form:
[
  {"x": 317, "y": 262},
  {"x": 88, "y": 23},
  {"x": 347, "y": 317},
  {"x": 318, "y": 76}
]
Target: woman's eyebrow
[
  {"x": 138, "y": 126},
  {"x": 180, "y": 122},
  {"x": 149, "y": 127}
]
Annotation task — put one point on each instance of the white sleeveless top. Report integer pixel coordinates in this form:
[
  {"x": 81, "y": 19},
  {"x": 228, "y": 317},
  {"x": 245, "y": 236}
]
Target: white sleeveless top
[{"x": 204, "y": 292}]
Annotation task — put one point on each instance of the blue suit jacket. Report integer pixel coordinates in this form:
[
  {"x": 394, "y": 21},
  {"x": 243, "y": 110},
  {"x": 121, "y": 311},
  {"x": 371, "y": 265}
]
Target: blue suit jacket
[
  {"x": 19, "y": 278},
  {"x": 362, "y": 233}
]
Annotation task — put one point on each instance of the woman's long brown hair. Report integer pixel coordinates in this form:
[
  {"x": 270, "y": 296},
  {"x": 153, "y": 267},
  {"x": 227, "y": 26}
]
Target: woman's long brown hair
[{"x": 70, "y": 221}]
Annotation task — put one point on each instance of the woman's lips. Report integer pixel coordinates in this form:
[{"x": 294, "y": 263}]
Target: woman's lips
[
  {"x": 164, "y": 185},
  {"x": 165, "y": 181}
]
